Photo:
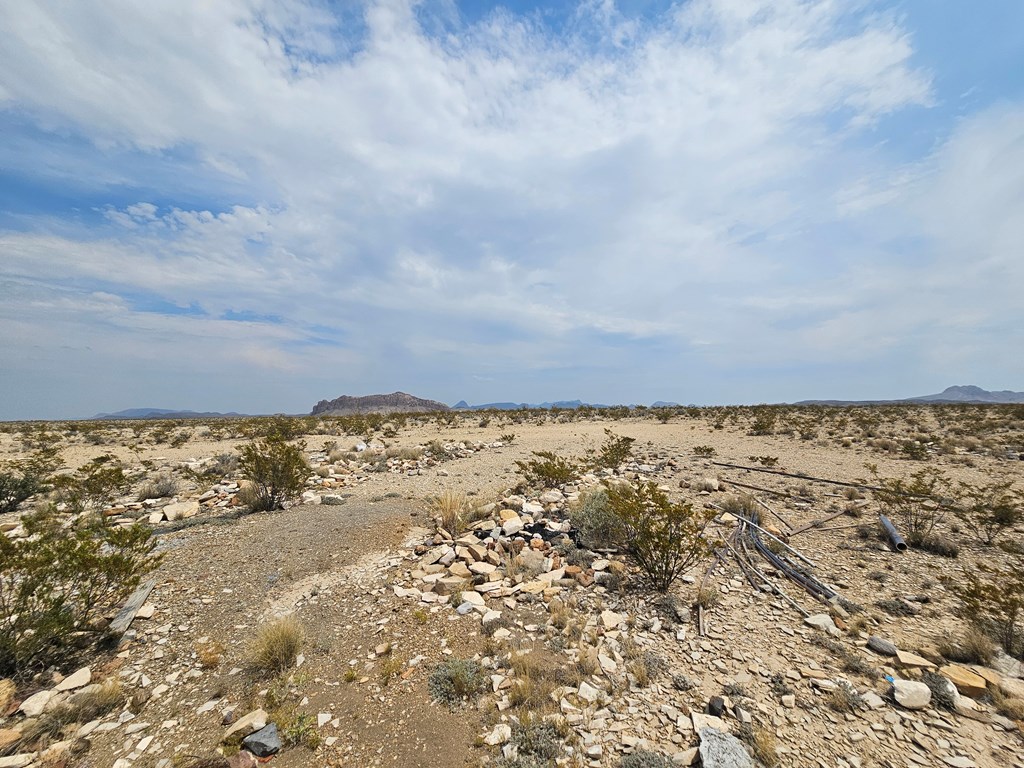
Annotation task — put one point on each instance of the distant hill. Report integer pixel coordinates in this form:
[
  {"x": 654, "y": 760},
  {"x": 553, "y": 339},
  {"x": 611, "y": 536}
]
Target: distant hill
[
  {"x": 957, "y": 394},
  {"x": 396, "y": 402},
  {"x": 163, "y": 413}
]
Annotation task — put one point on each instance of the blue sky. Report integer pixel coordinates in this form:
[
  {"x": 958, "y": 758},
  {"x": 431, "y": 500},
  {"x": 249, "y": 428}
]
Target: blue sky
[{"x": 251, "y": 205}]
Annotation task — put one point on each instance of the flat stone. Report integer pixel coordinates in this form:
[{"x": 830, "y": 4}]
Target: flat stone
[
  {"x": 959, "y": 762},
  {"x": 610, "y": 619},
  {"x": 719, "y": 749},
  {"x": 482, "y": 569},
  {"x": 913, "y": 661},
  {"x": 911, "y": 694},
  {"x": 250, "y": 723},
  {"x": 77, "y": 679},
  {"x": 18, "y": 761},
  {"x": 34, "y": 705},
  {"x": 181, "y": 509},
  {"x": 966, "y": 681},
  {"x": 8, "y": 738},
  {"x": 502, "y": 732},
  {"x": 1012, "y": 687},
  {"x": 882, "y": 646},
  {"x": 587, "y": 692},
  {"x": 823, "y": 622}
]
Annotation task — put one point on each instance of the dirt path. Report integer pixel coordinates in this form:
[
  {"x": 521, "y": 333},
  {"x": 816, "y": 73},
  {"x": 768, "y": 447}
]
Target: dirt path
[{"x": 324, "y": 564}]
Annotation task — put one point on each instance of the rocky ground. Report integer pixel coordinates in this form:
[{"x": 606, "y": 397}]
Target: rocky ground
[{"x": 581, "y": 664}]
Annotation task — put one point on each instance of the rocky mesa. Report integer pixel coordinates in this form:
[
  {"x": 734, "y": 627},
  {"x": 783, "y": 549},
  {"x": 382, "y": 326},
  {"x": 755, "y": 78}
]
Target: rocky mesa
[{"x": 396, "y": 402}]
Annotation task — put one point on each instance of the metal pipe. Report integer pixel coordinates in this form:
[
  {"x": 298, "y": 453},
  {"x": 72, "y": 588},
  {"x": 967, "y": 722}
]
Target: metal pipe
[{"x": 894, "y": 536}]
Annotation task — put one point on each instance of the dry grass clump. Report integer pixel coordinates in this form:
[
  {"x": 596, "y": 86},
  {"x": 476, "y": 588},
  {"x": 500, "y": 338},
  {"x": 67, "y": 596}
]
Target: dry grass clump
[
  {"x": 451, "y": 510},
  {"x": 762, "y": 743},
  {"x": 276, "y": 645},
  {"x": 971, "y": 647},
  {"x": 844, "y": 698},
  {"x": 1007, "y": 707},
  {"x": 210, "y": 654},
  {"x": 162, "y": 486}
]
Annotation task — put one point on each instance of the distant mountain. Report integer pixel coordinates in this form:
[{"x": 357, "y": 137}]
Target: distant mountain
[
  {"x": 162, "y": 413},
  {"x": 957, "y": 394},
  {"x": 663, "y": 404},
  {"x": 396, "y": 402},
  {"x": 462, "y": 405}
]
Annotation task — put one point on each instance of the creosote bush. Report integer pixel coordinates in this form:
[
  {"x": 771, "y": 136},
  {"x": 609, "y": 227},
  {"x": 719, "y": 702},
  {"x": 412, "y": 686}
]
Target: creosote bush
[
  {"x": 615, "y": 451},
  {"x": 16, "y": 488},
  {"x": 664, "y": 539},
  {"x": 917, "y": 505},
  {"x": 276, "y": 645},
  {"x": 548, "y": 470},
  {"x": 276, "y": 469},
  {"x": 990, "y": 510},
  {"x": 58, "y": 581},
  {"x": 993, "y": 600}
]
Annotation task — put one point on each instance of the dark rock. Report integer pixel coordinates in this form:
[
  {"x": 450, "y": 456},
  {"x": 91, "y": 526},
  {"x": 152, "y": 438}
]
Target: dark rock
[
  {"x": 264, "y": 743},
  {"x": 881, "y": 646},
  {"x": 716, "y": 706},
  {"x": 243, "y": 759}
]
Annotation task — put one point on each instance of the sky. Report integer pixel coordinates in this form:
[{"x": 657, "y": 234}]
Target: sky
[{"x": 251, "y": 205}]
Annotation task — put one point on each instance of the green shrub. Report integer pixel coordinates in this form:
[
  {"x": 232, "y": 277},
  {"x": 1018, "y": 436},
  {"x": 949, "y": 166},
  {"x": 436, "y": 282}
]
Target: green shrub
[
  {"x": 276, "y": 470},
  {"x": 990, "y": 510},
  {"x": 665, "y": 539},
  {"x": 615, "y": 451},
  {"x": 456, "y": 681},
  {"x": 59, "y": 581},
  {"x": 918, "y": 504},
  {"x": 15, "y": 489},
  {"x": 703, "y": 451},
  {"x": 93, "y": 485},
  {"x": 548, "y": 470},
  {"x": 594, "y": 518},
  {"x": 993, "y": 600}
]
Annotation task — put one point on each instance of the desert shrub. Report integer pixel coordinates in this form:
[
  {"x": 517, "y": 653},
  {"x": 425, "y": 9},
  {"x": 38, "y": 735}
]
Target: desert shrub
[
  {"x": 844, "y": 698},
  {"x": 943, "y": 692},
  {"x": 993, "y": 600},
  {"x": 764, "y": 421},
  {"x": 917, "y": 504},
  {"x": 895, "y": 607},
  {"x": 1007, "y": 706},
  {"x": 990, "y": 510},
  {"x": 93, "y": 485},
  {"x": 57, "y": 582},
  {"x": 160, "y": 487},
  {"x": 971, "y": 647},
  {"x": 548, "y": 470},
  {"x": 664, "y": 539},
  {"x": 943, "y": 546},
  {"x": 276, "y": 645},
  {"x": 88, "y": 704},
  {"x": 276, "y": 470},
  {"x": 15, "y": 489},
  {"x": 703, "y": 451},
  {"x": 594, "y": 518},
  {"x": 507, "y": 438},
  {"x": 537, "y": 738},
  {"x": 456, "y": 681},
  {"x": 643, "y": 758},
  {"x": 615, "y": 451}
]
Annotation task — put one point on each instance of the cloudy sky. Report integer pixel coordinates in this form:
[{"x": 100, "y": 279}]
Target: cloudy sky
[{"x": 255, "y": 204}]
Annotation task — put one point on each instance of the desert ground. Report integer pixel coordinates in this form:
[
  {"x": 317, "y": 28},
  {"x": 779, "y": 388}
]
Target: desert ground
[{"x": 576, "y": 660}]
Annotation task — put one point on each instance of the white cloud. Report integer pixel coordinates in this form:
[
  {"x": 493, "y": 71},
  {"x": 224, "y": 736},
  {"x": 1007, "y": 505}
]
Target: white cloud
[{"x": 515, "y": 191}]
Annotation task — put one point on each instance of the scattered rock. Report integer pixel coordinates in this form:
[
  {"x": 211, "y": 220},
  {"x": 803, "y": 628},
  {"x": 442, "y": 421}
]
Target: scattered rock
[
  {"x": 823, "y": 622},
  {"x": 966, "y": 681},
  {"x": 881, "y": 646},
  {"x": 250, "y": 723},
  {"x": 722, "y": 750},
  {"x": 77, "y": 679},
  {"x": 911, "y": 694},
  {"x": 264, "y": 742}
]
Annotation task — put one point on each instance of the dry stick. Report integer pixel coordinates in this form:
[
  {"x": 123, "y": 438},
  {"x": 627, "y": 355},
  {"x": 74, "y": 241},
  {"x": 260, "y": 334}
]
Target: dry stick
[
  {"x": 759, "y": 488},
  {"x": 834, "y": 528},
  {"x": 775, "y": 587},
  {"x": 816, "y": 523},
  {"x": 781, "y": 518},
  {"x": 798, "y": 477}
]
